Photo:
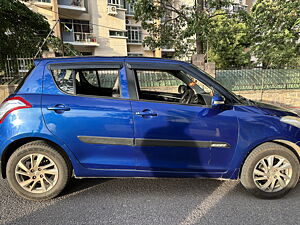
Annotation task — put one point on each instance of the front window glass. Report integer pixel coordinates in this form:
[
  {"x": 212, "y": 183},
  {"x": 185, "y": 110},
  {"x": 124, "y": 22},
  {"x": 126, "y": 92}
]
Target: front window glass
[{"x": 172, "y": 86}]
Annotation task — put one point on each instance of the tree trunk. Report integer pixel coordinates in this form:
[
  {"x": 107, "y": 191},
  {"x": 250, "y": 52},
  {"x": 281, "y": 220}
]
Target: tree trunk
[
  {"x": 199, "y": 45},
  {"x": 199, "y": 39}
]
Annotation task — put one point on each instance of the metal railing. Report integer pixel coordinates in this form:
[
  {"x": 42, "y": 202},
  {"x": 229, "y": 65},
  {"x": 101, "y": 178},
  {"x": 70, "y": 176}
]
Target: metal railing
[
  {"x": 13, "y": 69},
  {"x": 84, "y": 37}
]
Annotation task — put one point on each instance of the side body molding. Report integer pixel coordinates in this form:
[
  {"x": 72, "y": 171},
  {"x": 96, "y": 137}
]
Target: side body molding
[{"x": 151, "y": 142}]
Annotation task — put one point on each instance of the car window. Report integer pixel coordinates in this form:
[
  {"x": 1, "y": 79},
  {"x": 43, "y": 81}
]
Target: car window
[
  {"x": 99, "y": 82},
  {"x": 170, "y": 86},
  {"x": 91, "y": 77},
  {"x": 158, "y": 81},
  {"x": 64, "y": 79}
]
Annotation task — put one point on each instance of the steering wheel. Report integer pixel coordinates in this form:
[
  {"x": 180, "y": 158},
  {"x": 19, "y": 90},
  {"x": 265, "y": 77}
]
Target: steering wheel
[{"x": 187, "y": 96}]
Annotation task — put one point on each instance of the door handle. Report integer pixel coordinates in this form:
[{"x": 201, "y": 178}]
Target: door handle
[
  {"x": 146, "y": 113},
  {"x": 59, "y": 107}
]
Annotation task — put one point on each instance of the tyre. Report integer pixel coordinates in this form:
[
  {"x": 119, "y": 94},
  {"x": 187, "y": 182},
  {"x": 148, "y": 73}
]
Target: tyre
[
  {"x": 37, "y": 171},
  {"x": 270, "y": 171}
]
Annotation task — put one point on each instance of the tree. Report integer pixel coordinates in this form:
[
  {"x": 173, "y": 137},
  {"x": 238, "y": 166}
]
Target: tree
[
  {"x": 230, "y": 40},
  {"x": 173, "y": 24},
  {"x": 21, "y": 30},
  {"x": 55, "y": 44},
  {"x": 276, "y": 32}
]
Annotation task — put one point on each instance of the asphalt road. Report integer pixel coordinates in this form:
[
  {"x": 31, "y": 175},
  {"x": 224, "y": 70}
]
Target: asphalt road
[{"x": 150, "y": 201}]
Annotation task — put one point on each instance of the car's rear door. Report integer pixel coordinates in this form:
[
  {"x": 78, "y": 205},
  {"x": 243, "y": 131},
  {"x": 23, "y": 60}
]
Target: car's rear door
[{"x": 86, "y": 106}]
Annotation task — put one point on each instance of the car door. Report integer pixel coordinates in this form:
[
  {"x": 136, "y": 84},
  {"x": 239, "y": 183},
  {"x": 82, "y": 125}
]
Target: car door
[
  {"x": 86, "y": 106},
  {"x": 171, "y": 136}
]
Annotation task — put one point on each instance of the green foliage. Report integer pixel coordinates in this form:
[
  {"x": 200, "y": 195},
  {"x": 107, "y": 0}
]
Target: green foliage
[
  {"x": 56, "y": 45},
  {"x": 276, "y": 32},
  {"x": 229, "y": 41},
  {"x": 188, "y": 28},
  {"x": 21, "y": 29}
]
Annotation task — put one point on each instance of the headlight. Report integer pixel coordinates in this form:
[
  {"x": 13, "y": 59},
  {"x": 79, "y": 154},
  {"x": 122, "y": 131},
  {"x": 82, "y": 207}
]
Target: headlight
[{"x": 292, "y": 120}]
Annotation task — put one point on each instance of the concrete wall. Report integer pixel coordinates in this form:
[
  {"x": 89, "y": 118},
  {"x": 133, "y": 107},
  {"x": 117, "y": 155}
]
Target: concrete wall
[
  {"x": 288, "y": 98},
  {"x": 6, "y": 90}
]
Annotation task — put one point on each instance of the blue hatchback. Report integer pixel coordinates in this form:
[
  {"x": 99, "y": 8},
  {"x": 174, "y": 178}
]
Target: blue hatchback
[{"x": 140, "y": 117}]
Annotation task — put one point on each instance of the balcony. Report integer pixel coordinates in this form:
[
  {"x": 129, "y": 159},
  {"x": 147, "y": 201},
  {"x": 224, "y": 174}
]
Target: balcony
[
  {"x": 80, "y": 39},
  {"x": 77, "y": 5}
]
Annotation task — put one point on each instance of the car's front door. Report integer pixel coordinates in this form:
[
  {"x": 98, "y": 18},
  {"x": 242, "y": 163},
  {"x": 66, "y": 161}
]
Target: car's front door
[
  {"x": 89, "y": 110},
  {"x": 172, "y": 136}
]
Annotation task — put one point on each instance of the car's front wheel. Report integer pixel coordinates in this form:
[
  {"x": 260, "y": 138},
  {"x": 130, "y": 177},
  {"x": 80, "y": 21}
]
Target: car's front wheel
[
  {"x": 37, "y": 171},
  {"x": 270, "y": 171}
]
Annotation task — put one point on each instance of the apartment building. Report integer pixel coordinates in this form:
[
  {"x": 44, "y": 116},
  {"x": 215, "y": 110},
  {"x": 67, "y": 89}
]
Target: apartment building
[
  {"x": 102, "y": 27},
  {"x": 95, "y": 27}
]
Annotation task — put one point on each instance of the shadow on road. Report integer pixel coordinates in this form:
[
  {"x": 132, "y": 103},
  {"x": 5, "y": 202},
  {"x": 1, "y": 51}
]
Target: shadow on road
[{"x": 76, "y": 185}]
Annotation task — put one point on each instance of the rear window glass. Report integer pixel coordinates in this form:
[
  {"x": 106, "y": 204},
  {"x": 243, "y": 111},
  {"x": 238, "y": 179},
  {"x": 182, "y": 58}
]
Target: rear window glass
[
  {"x": 64, "y": 80},
  {"x": 99, "y": 82}
]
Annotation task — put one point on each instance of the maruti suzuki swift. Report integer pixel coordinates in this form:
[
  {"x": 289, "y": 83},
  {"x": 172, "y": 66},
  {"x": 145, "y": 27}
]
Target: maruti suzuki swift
[{"x": 140, "y": 117}]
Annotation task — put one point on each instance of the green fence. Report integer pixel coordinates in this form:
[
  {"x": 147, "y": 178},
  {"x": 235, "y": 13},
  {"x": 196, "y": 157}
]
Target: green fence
[{"x": 259, "y": 79}]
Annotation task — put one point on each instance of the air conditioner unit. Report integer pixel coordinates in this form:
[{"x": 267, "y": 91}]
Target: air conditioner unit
[{"x": 112, "y": 10}]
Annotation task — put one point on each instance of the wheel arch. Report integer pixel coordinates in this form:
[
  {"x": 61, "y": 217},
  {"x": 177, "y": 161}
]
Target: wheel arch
[
  {"x": 288, "y": 144},
  {"x": 13, "y": 146}
]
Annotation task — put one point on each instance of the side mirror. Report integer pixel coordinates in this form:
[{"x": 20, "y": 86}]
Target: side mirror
[{"x": 217, "y": 100}]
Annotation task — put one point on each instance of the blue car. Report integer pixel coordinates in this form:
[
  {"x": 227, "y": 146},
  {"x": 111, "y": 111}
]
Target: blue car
[{"x": 140, "y": 117}]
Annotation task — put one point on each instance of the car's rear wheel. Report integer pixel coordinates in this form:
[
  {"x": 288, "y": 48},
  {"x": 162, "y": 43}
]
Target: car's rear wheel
[
  {"x": 270, "y": 171},
  {"x": 37, "y": 171}
]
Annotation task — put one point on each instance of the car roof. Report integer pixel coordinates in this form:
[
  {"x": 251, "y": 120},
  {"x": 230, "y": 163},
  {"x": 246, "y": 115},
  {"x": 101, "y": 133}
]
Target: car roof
[{"x": 113, "y": 58}]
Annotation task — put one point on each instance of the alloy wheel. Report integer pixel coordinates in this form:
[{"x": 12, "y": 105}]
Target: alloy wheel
[
  {"x": 36, "y": 173},
  {"x": 272, "y": 173}
]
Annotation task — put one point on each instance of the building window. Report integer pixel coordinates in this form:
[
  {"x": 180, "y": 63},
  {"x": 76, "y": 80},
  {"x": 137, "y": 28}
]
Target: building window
[
  {"x": 130, "y": 7},
  {"x": 134, "y": 34},
  {"x": 118, "y": 3},
  {"x": 116, "y": 33},
  {"x": 77, "y": 30}
]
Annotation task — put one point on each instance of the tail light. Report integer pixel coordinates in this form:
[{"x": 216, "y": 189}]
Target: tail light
[{"x": 12, "y": 104}]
